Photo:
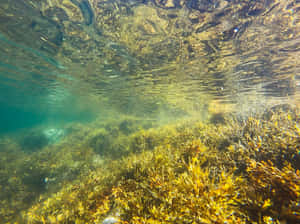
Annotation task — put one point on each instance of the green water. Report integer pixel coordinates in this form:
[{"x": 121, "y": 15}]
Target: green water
[{"x": 80, "y": 75}]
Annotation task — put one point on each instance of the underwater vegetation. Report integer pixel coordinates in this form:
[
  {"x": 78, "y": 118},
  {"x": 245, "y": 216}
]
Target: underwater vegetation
[
  {"x": 242, "y": 170},
  {"x": 146, "y": 57},
  {"x": 275, "y": 193}
]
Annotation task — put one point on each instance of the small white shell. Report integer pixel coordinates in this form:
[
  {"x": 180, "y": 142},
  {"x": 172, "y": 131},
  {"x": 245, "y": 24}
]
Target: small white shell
[{"x": 110, "y": 220}]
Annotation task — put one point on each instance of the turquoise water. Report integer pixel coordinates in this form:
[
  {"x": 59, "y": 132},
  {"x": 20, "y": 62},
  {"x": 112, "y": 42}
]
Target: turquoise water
[
  {"x": 14, "y": 118},
  {"x": 84, "y": 80}
]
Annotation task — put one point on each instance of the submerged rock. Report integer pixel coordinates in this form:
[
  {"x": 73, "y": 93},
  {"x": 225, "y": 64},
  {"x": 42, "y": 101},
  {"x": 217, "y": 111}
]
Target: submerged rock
[
  {"x": 39, "y": 138},
  {"x": 53, "y": 134},
  {"x": 33, "y": 141}
]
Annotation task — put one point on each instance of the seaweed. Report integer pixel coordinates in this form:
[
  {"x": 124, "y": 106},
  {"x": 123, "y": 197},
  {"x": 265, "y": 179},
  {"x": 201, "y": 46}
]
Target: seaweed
[
  {"x": 242, "y": 170},
  {"x": 273, "y": 193}
]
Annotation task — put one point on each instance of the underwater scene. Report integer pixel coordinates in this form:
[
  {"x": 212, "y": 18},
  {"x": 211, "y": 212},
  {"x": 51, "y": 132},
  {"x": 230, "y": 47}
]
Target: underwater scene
[{"x": 150, "y": 111}]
